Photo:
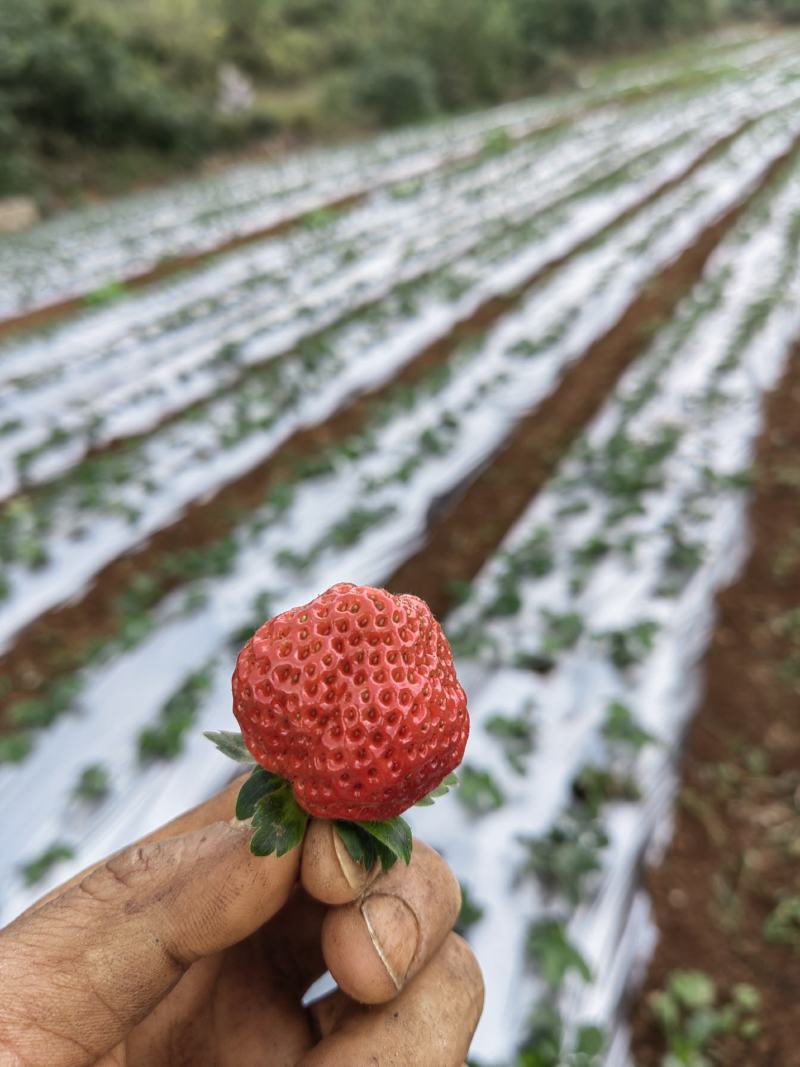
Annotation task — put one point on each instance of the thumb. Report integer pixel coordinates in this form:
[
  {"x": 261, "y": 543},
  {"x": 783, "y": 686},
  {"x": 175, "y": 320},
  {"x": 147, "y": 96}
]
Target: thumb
[{"x": 77, "y": 974}]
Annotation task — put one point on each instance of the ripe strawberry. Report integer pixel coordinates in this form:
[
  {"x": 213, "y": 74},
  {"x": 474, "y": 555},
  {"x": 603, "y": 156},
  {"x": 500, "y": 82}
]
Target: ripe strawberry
[
  {"x": 354, "y": 699},
  {"x": 351, "y": 708}
]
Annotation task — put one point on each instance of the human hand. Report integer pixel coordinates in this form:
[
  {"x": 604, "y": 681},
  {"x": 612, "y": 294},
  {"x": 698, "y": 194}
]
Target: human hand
[{"x": 187, "y": 949}]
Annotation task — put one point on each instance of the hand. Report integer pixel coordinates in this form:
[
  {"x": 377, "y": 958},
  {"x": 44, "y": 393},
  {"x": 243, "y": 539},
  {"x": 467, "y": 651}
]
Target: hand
[{"x": 187, "y": 949}]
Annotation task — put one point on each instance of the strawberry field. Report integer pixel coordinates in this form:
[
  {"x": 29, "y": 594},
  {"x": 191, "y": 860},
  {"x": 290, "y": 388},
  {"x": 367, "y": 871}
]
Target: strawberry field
[{"x": 517, "y": 363}]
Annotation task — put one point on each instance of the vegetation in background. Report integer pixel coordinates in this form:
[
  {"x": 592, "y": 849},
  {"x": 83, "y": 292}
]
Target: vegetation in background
[
  {"x": 695, "y": 1019},
  {"x": 141, "y": 82}
]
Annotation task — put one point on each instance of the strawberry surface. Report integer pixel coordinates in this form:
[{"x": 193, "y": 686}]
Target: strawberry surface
[{"x": 353, "y": 698}]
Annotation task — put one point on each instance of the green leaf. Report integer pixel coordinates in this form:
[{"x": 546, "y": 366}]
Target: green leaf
[
  {"x": 360, "y": 845},
  {"x": 479, "y": 792},
  {"x": 34, "y": 871},
  {"x": 621, "y": 727},
  {"x": 553, "y": 954},
  {"x": 746, "y": 997},
  {"x": 394, "y": 835},
  {"x": 368, "y": 842},
  {"x": 279, "y": 823},
  {"x": 693, "y": 989},
  {"x": 665, "y": 1009},
  {"x": 231, "y": 744},
  {"x": 258, "y": 785},
  {"x": 94, "y": 783},
  {"x": 16, "y": 746},
  {"x": 444, "y": 787},
  {"x": 591, "y": 1041}
]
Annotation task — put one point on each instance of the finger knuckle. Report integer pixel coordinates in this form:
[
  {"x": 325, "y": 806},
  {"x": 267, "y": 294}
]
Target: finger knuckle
[{"x": 127, "y": 871}]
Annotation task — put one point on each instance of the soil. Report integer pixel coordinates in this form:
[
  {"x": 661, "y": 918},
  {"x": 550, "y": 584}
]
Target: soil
[
  {"x": 461, "y": 539},
  {"x": 736, "y": 847}
]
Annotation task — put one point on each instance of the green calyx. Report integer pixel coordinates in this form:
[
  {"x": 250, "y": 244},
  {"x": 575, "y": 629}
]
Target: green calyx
[{"x": 279, "y": 823}]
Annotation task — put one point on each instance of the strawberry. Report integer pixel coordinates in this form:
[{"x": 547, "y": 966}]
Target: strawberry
[{"x": 351, "y": 708}]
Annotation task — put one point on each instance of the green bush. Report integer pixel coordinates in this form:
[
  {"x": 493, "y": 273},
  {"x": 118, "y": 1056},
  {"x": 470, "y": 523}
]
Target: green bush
[
  {"x": 396, "y": 89},
  {"x": 788, "y": 10},
  {"x": 63, "y": 71},
  {"x": 14, "y": 171},
  {"x": 471, "y": 46}
]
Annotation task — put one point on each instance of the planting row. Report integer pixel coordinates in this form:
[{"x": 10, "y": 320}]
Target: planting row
[
  {"x": 86, "y": 250},
  {"x": 122, "y": 371},
  {"x": 55, "y": 541}
]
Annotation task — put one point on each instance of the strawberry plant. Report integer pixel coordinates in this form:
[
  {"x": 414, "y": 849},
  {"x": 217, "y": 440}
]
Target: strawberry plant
[
  {"x": 479, "y": 792},
  {"x": 553, "y": 954},
  {"x": 621, "y": 729},
  {"x": 471, "y": 912},
  {"x": 630, "y": 646},
  {"x": 164, "y": 740},
  {"x": 694, "y": 1019},
  {"x": 94, "y": 783},
  {"x": 516, "y": 736},
  {"x": 37, "y": 869},
  {"x": 566, "y": 858},
  {"x": 782, "y": 926},
  {"x": 548, "y": 1045}
]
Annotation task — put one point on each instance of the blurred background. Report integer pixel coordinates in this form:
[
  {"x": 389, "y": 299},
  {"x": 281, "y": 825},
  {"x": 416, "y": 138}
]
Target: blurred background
[
  {"x": 96, "y": 96},
  {"x": 495, "y": 303}
]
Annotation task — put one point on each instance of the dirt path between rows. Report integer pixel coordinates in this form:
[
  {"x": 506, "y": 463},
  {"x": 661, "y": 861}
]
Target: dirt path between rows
[
  {"x": 466, "y": 529},
  {"x": 736, "y": 848}
]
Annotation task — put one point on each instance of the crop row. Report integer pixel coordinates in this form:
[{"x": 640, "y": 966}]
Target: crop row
[
  {"x": 553, "y": 336},
  {"x": 116, "y": 374},
  {"x": 86, "y": 250},
  {"x": 122, "y": 372},
  {"x": 111, "y": 504}
]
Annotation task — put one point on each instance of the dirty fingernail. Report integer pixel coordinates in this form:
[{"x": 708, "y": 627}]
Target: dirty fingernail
[
  {"x": 394, "y": 933},
  {"x": 354, "y": 873}
]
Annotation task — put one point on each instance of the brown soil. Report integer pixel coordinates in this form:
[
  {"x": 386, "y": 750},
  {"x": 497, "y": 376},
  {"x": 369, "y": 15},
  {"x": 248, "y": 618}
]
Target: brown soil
[
  {"x": 57, "y": 642},
  {"x": 736, "y": 847}
]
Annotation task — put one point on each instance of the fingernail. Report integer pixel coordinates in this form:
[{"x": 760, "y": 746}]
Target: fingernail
[
  {"x": 394, "y": 932},
  {"x": 354, "y": 873}
]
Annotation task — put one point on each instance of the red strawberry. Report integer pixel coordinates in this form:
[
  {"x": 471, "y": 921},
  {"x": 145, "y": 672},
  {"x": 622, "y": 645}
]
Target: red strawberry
[{"x": 353, "y": 698}]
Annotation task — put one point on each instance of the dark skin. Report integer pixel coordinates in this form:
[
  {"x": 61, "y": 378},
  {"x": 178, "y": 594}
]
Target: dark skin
[{"x": 187, "y": 949}]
